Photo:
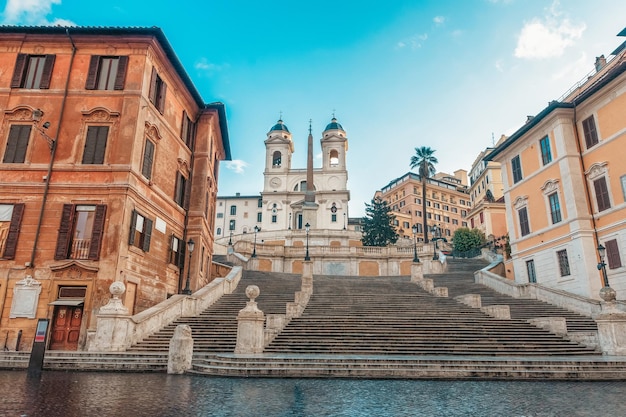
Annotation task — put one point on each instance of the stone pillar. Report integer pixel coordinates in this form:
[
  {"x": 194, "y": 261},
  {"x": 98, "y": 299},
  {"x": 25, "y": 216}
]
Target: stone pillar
[
  {"x": 250, "y": 332},
  {"x": 556, "y": 325},
  {"x": 611, "y": 325},
  {"x": 307, "y": 277},
  {"x": 427, "y": 284},
  {"x": 472, "y": 300},
  {"x": 113, "y": 325},
  {"x": 440, "y": 291},
  {"x": 436, "y": 267},
  {"x": 181, "y": 350},
  {"x": 417, "y": 271},
  {"x": 502, "y": 312}
]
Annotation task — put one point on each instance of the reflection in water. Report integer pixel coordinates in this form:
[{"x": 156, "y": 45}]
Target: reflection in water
[{"x": 81, "y": 394}]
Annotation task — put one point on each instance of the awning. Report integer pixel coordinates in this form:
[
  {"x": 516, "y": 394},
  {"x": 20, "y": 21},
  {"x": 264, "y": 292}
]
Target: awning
[{"x": 68, "y": 302}]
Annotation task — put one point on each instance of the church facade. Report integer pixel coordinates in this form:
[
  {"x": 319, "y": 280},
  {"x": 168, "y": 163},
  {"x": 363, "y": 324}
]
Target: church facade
[{"x": 288, "y": 199}]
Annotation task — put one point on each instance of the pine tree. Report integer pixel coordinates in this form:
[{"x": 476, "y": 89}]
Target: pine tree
[{"x": 378, "y": 228}]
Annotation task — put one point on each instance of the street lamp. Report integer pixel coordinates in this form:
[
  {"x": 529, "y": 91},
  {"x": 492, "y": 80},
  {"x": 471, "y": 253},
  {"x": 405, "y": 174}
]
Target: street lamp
[
  {"x": 306, "y": 256},
  {"x": 602, "y": 266},
  {"x": 190, "y": 246},
  {"x": 289, "y": 225},
  {"x": 344, "y": 221},
  {"x": 256, "y": 229},
  {"x": 435, "y": 232},
  {"x": 415, "y": 258},
  {"x": 230, "y": 238}
]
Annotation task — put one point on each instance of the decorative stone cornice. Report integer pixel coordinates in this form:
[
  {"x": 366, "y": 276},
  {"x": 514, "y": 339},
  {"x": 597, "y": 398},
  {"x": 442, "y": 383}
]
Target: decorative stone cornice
[
  {"x": 550, "y": 186},
  {"x": 520, "y": 202},
  {"x": 597, "y": 170}
]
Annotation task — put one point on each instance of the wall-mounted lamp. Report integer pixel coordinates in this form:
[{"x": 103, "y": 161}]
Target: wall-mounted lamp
[{"x": 37, "y": 115}]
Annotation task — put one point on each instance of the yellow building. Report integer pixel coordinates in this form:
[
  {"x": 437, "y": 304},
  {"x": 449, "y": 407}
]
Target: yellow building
[
  {"x": 564, "y": 175},
  {"x": 488, "y": 213},
  {"x": 447, "y": 200}
]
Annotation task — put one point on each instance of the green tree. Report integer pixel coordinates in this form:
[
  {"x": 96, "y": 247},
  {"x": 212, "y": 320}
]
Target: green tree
[
  {"x": 424, "y": 161},
  {"x": 378, "y": 228},
  {"x": 466, "y": 239}
]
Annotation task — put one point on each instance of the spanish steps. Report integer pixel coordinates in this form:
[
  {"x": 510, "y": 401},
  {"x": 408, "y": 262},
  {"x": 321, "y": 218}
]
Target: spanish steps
[{"x": 380, "y": 316}]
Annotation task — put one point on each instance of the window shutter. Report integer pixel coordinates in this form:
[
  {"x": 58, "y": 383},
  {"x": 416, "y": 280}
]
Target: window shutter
[
  {"x": 18, "y": 72},
  {"x": 92, "y": 74},
  {"x": 14, "y": 231},
  {"x": 182, "y": 247},
  {"x": 120, "y": 77},
  {"x": 102, "y": 132},
  {"x": 153, "y": 83},
  {"x": 162, "y": 90},
  {"x": 612, "y": 251},
  {"x": 148, "y": 158},
  {"x": 65, "y": 230},
  {"x": 147, "y": 234},
  {"x": 133, "y": 222},
  {"x": 17, "y": 144},
  {"x": 97, "y": 232},
  {"x": 184, "y": 128},
  {"x": 46, "y": 75},
  {"x": 90, "y": 145}
]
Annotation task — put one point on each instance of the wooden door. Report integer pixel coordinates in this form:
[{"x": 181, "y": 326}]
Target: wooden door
[{"x": 66, "y": 327}]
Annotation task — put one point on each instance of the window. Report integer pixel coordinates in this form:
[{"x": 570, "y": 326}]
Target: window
[
  {"x": 10, "y": 220},
  {"x": 455, "y": 222},
  {"x": 591, "y": 134},
  {"x": 259, "y": 217},
  {"x": 17, "y": 143},
  {"x": 563, "y": 263},
  {"x": 231, "y": 225},
  {"x": 612, "y": 254},
  {"x": 106, "y": 72},
  {"x": 81, "y": 231},
  {"x": 33, "y": 71},
  {"x": 219, "y": 231},
  {"x": 555, "y": 208},
  {"x": 206, "y": 205},
  {"x": 523, "y": 221},
  {"x": 602, "y": 194},
  {"x": 623, "y": 181},
  {"x": 188, "y": 130},
  {"x": 274, "y": 218},
  {"x": 276, "y": 159},
  {"x": 177, "y": 252},
  {"x": 95, "y": 144},
  {"x": 516, "y": 166},
  {"x": 220, "y": 215},
  {"x": 148, "y": 159},
  {"x": 157, "y": 91},
  {"x": 259, "y": 203},
  {"x": 180, "y": 192},
  {"x": 140, "y": 231},
  {"x": 333, "y": 218},
  {"x": 233, "y": 210},
  {"x": 482, "y": 217},
  {"x": 530, "y": 268},
  {"x": 334, "y": 158},
  {"x": 546, "y": 154}
]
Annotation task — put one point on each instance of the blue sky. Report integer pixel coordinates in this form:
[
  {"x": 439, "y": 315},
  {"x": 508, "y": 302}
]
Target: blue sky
[{"x": 398, "y": 74}]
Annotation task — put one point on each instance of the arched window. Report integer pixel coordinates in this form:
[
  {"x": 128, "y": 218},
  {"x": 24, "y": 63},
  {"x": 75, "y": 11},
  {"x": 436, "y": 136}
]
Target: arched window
[
  {"x": 276, "y": 159},
  {"x": 334, "y": 158},
  {"x": 219, "y": 231}
]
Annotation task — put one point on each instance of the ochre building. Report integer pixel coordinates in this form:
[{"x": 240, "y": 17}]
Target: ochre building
[{"x": 108, "y": 167}]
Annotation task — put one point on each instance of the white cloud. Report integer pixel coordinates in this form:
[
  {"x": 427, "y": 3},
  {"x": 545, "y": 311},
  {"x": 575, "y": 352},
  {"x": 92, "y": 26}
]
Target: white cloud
[
  {"x": 32, "y": 12},
  {"x": 209, "y": 68},
  {"x": 439, "y": 20},
  {"x": 414, "y": 42},
  {"x": 548, "y": 36},
  {"x": 237, "y": 166}
]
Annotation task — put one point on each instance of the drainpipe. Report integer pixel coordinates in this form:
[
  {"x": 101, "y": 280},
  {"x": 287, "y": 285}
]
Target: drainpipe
[
  {"x": 188, "y": 204},
  {"x": 53, "y": 149},
  {"x": 585, "y": 184}
]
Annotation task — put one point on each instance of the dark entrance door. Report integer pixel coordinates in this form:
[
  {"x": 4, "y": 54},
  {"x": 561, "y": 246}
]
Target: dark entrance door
[{"x": 66, "y": 327}]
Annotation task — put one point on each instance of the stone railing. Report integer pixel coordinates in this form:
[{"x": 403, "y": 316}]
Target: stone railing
[{"x": 117, "y": 331}]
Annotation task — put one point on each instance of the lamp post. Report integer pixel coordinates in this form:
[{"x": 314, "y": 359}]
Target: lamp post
[
  {"x": 307, "y": 228},
  {"x": 415, "y": 258},
  {"x": 230, "y": 238},
  {"x": 190, "y": 246},
  {"x": 289, "y": 225},
  {"x": 601, "y": 265},
  {"x": 344, "y": 221},
  {"x": 256, "y": 229}
]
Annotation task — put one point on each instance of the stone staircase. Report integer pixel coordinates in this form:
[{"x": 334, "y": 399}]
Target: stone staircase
[
  {"x": 392, "y": 316},
  {"x": 459, "y": 280},
  {"x": 215, "y": 329}
]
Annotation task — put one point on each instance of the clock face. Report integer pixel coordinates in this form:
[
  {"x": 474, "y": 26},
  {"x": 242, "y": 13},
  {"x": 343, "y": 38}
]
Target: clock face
[{"x": 275, "y": 182}]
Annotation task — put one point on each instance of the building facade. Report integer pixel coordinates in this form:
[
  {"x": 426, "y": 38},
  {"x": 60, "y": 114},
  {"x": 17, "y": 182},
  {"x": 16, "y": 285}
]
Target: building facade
[
  {"x": 565, "y": 186},
  {"x": 488, "y": 212},
  {"x": 237, "y": 215},
  {"x": 447, "y": 200},
  {"x": 108, "y": 166},
  {"x": 286, "y": 205}
]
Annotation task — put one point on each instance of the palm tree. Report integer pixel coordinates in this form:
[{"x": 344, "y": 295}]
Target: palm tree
[{"x": 424, "y": 161}]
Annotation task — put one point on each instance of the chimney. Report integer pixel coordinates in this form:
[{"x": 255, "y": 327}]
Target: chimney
[
  {"x": 529, "y": 118},
  {"x": 600, "y": 62}
]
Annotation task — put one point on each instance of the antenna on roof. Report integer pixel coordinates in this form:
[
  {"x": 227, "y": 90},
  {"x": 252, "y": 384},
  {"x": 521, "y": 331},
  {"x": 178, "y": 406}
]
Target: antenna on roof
[{"x": 310, "y": 127}]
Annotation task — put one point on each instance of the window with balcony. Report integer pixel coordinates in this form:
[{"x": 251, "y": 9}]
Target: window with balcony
[
  {"x": 10, "y": 221},
  {"x": 106, "y": 72},
  {"x": 80, "y": 232},
  {"x": 33, "y": 71}
]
